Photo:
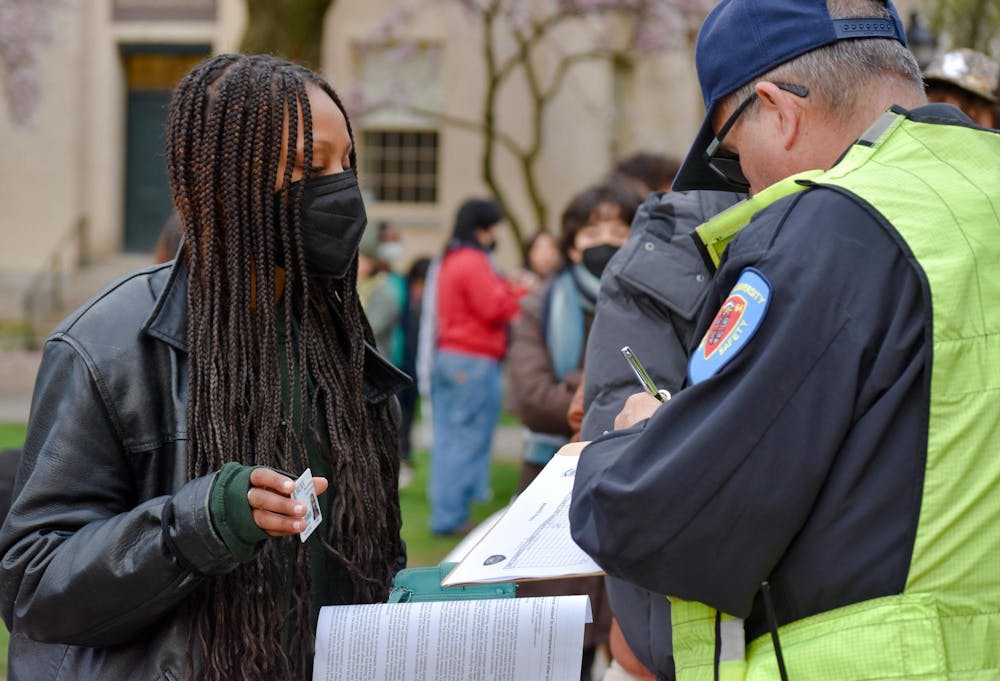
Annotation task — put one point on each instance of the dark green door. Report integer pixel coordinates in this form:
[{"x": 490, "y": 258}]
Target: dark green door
[
  {"x": 147, "y": 195},
  {"x": 151, "y": 74}
]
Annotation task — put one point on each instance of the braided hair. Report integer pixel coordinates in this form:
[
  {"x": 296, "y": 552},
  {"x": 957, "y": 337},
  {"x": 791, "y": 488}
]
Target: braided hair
[{"x": 224, "y": 141}]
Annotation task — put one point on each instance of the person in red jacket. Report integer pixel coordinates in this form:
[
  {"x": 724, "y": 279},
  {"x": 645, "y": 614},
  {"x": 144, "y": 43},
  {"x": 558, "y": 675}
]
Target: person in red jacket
[{"x": 474, "y": 306}]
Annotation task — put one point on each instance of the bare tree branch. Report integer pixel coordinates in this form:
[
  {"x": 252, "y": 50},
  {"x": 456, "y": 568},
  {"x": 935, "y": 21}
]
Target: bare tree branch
[
  {"x": 26, "y": 27},
  {"x": 503, "y": 138},
  {"x": 567, "y": 62},
  {"x": 531, "y": 30},
  {"x": 491, "y": 134},
  {"x": 528, "y": 159},
  {"x": 539, "y": 30}
]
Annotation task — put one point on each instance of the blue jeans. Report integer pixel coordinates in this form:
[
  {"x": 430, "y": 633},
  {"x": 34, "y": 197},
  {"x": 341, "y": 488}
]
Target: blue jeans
[{"x": 465, "y": 396}]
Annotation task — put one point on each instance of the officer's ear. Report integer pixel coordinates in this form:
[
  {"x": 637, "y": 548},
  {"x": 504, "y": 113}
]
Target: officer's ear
[{"x": 783, "y": 112}]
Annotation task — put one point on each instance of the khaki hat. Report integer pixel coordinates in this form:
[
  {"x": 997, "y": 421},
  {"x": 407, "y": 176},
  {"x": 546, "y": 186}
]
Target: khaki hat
[{"x": 970, "y": 70}]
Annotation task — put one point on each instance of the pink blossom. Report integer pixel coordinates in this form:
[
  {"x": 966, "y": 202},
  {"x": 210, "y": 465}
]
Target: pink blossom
[{"x": 25, "y": 28}]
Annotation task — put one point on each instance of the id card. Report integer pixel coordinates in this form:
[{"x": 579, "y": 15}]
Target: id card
[{"x": 305, "y": 492}]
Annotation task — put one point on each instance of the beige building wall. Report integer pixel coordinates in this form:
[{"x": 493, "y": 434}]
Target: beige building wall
[
  {"x": 580, "y": 134},
  {"x": 40, "y": 188},
  {"x": 102, "y": 162},
  {"x": 70, "y": 166},
  {"x": 584, "y": 130}
]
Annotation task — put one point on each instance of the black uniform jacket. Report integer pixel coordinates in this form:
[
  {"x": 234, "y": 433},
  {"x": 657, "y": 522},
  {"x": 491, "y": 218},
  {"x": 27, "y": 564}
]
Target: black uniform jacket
[
  {"x": 801, "y": 460},
  {"x": 107, "y": 536}
]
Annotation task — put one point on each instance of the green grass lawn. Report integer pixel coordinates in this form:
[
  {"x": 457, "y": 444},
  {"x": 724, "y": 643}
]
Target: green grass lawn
[
  {"x": 423, "y": 547},
  {"x": 11, "y": 436}
]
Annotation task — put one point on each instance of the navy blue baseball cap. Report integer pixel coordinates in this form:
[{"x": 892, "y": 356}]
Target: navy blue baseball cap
[{"x": 743, "y": 39}]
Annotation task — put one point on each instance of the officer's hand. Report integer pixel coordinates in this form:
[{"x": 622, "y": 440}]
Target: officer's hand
[
  {"x": 274, "y": 510},
  {"x": 638, "y": 407}
]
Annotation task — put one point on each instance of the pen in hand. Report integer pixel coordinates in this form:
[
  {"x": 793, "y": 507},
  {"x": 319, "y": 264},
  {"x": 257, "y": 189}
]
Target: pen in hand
[{"x": 644, "y": 380}]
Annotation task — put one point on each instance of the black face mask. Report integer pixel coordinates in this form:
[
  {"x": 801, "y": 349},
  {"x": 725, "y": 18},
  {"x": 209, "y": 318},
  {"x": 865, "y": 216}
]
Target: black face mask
[
  {"x": 333, "y": 221},
  {"x": 596, "y": 258}
]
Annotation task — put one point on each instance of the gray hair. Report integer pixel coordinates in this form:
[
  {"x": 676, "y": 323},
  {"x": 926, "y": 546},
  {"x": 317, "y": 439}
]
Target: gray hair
[{"x": 839, "y": 73}]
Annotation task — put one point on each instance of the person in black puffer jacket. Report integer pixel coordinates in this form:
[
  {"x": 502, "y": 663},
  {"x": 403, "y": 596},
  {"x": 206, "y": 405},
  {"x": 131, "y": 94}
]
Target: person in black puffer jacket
[{"x": 651, "y": 292}]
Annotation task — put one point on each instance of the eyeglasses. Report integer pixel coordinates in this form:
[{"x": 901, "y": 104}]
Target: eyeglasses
[{"x": 727, "y": 165}]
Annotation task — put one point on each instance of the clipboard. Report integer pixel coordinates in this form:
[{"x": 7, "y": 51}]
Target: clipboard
[{"x": 421, "y": 584}]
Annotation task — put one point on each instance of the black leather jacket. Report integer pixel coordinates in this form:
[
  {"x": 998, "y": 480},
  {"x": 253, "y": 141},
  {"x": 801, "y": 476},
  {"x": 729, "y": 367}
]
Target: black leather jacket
[{"x": 108, "y": 537}]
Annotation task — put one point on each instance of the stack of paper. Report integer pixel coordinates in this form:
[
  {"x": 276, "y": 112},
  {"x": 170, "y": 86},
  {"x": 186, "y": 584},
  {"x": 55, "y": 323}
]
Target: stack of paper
[
  {"x": 532, "y": 540},
  {"x": 506, "y": 639}
]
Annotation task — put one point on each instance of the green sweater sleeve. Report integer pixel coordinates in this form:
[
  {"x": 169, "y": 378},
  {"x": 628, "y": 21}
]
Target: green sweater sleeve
[{"x": 231, "y": 512}]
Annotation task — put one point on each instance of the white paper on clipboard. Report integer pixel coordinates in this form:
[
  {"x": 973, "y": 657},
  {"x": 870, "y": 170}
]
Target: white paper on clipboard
[{"x": 532, "y": 540}]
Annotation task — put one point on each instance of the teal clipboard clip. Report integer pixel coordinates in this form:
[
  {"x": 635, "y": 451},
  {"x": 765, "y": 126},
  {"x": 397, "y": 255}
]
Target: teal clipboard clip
[{"x": 421, "y": 584}]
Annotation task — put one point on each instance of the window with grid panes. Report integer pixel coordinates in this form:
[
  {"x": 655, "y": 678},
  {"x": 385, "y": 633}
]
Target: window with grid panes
[
  {"x": 400, "y": 166},
  {"x": 399, "y": 139}
]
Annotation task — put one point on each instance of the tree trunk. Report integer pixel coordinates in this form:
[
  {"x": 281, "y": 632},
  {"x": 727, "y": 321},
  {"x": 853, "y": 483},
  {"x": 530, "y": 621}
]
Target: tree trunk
[
  {"x": 292, "y": 29},
  {"x": 493, "y": 78}
]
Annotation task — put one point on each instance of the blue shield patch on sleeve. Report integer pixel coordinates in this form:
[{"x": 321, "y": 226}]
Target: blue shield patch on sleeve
[{"x": 734, "y": 325}]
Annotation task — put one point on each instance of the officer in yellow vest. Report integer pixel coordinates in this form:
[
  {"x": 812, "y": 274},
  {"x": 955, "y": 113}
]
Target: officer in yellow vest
[{"x": 822, "y": 500}]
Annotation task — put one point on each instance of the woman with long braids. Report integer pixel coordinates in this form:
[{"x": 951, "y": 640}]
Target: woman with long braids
[{"x": 153, "y": 535}]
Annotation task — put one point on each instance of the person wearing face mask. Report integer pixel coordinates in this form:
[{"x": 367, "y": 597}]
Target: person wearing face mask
[
  {"x": 473, "y": 305},
  {"x": 153, "y": 534},
  {"x": 384, "y": 296},
  {"x": 382, "y": 291},
  {"x": 650, "y": 295},
  {"x": 545, "y": 364},
  {"x": 548, "y": 341},
  {"x": 390, "y": 253}
]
